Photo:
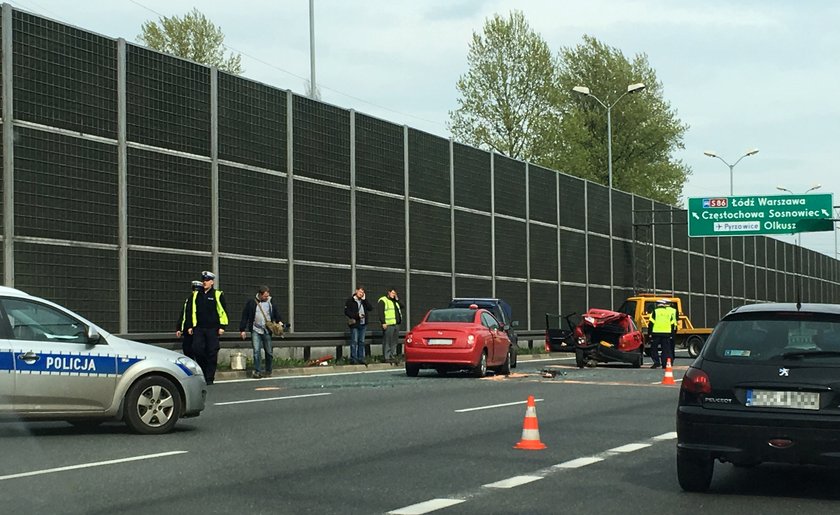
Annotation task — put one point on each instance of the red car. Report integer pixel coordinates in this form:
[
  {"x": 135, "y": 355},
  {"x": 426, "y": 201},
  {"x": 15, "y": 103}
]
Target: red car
[
  {"x": 458, "y": 338},
  {"x": 608, "y": 336}
]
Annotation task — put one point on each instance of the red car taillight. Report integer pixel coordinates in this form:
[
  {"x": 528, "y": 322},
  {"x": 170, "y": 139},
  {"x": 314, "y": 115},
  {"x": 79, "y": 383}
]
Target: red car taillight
[
  {"x": 409, "y": 338},
  {"x": 470, "y": 340},
  {"x": 696, "y": 382}
]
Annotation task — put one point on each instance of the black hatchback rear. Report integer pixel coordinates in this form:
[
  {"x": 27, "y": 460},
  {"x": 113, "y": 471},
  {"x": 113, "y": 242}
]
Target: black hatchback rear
[{"x": 766, "y": 388}]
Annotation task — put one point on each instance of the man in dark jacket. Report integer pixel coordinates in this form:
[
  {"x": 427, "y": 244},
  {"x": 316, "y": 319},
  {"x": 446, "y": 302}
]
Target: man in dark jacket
[
  {"x": 258, "y": 310},
  {"x": 357, "y": 310},
  {"x": 209, "y": 318}
]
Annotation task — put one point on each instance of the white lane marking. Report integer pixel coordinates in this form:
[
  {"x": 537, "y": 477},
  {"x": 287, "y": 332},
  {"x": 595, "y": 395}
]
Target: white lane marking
[
  {"x": 666, "y": 436},
  {"x": 495, "y": 406},
  {"x": 271, "y": 399},
  {"x": 426, "y": 507},
  {"x": 660, "y": 382},
  {"x": 578, "y": 462},
  {"x": 630, "y": 447},
  {"x": 526, "y": 361},
  {"x": 548, "y": 471},
  {"x": 514, "y": 481},
  {"x": 88, "y": 465},
  {"x": 309, "y": 376}
]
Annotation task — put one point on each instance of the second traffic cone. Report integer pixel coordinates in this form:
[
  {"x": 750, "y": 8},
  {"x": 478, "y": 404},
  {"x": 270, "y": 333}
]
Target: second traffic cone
[
  {"x": 530, "y": 429},
  {"x": 669, "y": 373}
]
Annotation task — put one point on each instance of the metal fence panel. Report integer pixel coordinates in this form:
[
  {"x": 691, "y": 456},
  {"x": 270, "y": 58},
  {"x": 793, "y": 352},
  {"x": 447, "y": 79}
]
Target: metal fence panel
[
  {"x": 169, "y": 201},
  {"x": 322, "y": 223},
  {"x": 65, "y": 187},
  {"x": 64, "y": 77},
  {"x": 431, "y": 241},
  {"x": 83, "y": 279},
  {"x": 380, "y": 162},
  {"x": 321, "y": 141},
  {"x": 253, "y": 210},
  {"x": 168, "y": 101},
  {"x": 428, "y": 166},
  {"x": 509, "y": 186},
  {"x": 252, "y": 123}
]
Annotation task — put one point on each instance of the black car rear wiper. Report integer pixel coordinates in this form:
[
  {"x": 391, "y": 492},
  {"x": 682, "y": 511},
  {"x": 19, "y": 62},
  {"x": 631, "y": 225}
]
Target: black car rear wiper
[{"x": 810, "y": 353}]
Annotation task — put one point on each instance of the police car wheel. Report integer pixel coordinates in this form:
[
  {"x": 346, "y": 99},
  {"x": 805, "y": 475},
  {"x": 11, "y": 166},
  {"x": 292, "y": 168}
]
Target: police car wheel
[{"x": 152, "y": 405}]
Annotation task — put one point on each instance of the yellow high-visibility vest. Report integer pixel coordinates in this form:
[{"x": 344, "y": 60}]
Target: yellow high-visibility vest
[{"x": 223, "y": 318}]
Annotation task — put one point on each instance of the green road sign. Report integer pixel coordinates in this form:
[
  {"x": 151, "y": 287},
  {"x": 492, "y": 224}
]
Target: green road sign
[{"x": 769, "y": 214}]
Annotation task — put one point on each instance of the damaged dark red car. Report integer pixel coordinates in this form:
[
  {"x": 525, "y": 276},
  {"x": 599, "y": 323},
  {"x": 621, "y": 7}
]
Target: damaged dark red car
[{"x": 605, "y": 336}]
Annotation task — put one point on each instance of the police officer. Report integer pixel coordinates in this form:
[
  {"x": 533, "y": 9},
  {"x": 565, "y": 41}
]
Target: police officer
[
  {"x": 662, "y": 327},
  {"x": 185, "y": 323},
  {"x": 209, "y": 318},
  {"x": 390, "y": 316}
]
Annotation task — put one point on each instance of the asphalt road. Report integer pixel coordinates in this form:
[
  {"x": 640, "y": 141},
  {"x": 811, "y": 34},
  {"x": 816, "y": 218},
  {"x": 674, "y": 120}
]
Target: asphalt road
[{"x": 380, "y": 442}]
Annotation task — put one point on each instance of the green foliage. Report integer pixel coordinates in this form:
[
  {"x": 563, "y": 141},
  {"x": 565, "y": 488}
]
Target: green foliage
[
  {"x": 505, "y": 94},
  {"x": 645, "y": 129},
  {"x": 192, "y": 37},
  {"x": 517, "y": 99}
]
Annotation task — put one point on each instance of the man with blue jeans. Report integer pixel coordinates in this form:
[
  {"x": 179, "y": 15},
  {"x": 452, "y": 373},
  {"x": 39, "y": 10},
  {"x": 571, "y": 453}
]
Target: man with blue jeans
[
  {"x": 357, "y": 310},
  {"x": 257, "y": 311}
]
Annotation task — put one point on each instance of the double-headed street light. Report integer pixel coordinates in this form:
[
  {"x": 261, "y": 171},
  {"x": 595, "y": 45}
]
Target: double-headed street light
[
  {"x": 812, "y": 188},
  {"x": 583, "y": 90},
  {"x": 632, "y": 88},
  {"x": 749, "y": 153}
]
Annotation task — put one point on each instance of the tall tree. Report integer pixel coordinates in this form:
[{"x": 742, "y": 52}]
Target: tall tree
[
  {"x": 645, "y": 129},
  {"x": 505, "y": 96},
  {"x": 192, "y": 37}
]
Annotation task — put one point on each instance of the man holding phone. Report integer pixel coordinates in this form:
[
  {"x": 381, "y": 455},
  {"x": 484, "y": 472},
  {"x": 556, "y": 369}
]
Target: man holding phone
[
  {"x": 357, "y": 309},
  {"x": 390, "y": 316}
]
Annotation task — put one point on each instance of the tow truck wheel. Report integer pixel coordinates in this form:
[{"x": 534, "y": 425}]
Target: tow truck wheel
[
  {"x": 694, "y": 344},
  {"x": 152, "y": 405}
]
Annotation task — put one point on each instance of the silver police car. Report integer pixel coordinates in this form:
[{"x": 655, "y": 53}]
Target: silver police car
[{"x": 55, "y": 365}]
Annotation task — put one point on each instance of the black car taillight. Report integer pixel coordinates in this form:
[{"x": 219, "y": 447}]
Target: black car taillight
[{"x": 696, "y": 382}]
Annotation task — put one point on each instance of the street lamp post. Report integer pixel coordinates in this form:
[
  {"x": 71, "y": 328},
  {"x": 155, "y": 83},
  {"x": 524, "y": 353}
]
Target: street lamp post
[
  {"x": 583, "y": 90},
  {"x": 750, "y": 152},
  {"x": 798, "y": 242}
]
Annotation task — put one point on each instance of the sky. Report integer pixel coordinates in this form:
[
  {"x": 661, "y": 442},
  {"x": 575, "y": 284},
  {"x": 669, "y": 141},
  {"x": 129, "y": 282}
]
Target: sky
[{"x": 742, "y": 74}]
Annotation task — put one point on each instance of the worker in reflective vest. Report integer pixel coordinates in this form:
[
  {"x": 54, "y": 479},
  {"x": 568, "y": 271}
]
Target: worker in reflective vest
[
  {"x": 662, "y": 327},
  {"x": 390, "y": 316},
  {"x": 209, "y": 318}
]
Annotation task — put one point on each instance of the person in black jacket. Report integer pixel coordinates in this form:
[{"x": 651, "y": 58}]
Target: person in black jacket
[
  {"x": 184, "y": 323},
  {"x": 208, "y": 310},
  {"x": 257, "y": 310},
  {"x": 357, "y": 310}
]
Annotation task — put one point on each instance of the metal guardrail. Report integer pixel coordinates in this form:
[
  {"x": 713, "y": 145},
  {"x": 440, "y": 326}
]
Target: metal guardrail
[{"x": 232, "y": 340}]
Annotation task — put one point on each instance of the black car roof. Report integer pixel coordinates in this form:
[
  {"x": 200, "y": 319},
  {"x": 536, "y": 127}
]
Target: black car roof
[{"x": 774, "y": 307}]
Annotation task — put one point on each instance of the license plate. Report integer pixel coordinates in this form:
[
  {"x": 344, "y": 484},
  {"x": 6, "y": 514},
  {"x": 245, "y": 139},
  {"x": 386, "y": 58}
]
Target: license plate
[
  {"x": 439, "y": 341},
  {"x": 779, "y": 399}
]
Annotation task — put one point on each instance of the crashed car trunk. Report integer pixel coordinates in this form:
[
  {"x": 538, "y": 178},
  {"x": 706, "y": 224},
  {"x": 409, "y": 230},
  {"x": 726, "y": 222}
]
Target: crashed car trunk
[{"x": 607, "y": 337}]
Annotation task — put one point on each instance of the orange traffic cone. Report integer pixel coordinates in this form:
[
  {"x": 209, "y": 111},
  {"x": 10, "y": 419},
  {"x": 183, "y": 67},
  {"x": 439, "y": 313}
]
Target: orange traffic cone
[
  {"x": 530, "y": 431},
  {"x": 669, "y": 373}
]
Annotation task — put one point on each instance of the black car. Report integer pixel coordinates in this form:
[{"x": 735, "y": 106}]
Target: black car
[
  {"x": 501, "y": 310},
  {"x": 765, "y": 388}
]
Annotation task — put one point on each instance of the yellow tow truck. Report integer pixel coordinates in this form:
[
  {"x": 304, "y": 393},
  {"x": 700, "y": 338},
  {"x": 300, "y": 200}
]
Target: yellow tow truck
[{"x": 640, "y": 306}]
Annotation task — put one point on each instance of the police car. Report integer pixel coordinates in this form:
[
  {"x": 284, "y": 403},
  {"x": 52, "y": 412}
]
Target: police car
[{"x": 55, "y": 365}]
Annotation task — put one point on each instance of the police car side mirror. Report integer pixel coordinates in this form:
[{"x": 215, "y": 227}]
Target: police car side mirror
[{"x": 93, "y": 336}]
